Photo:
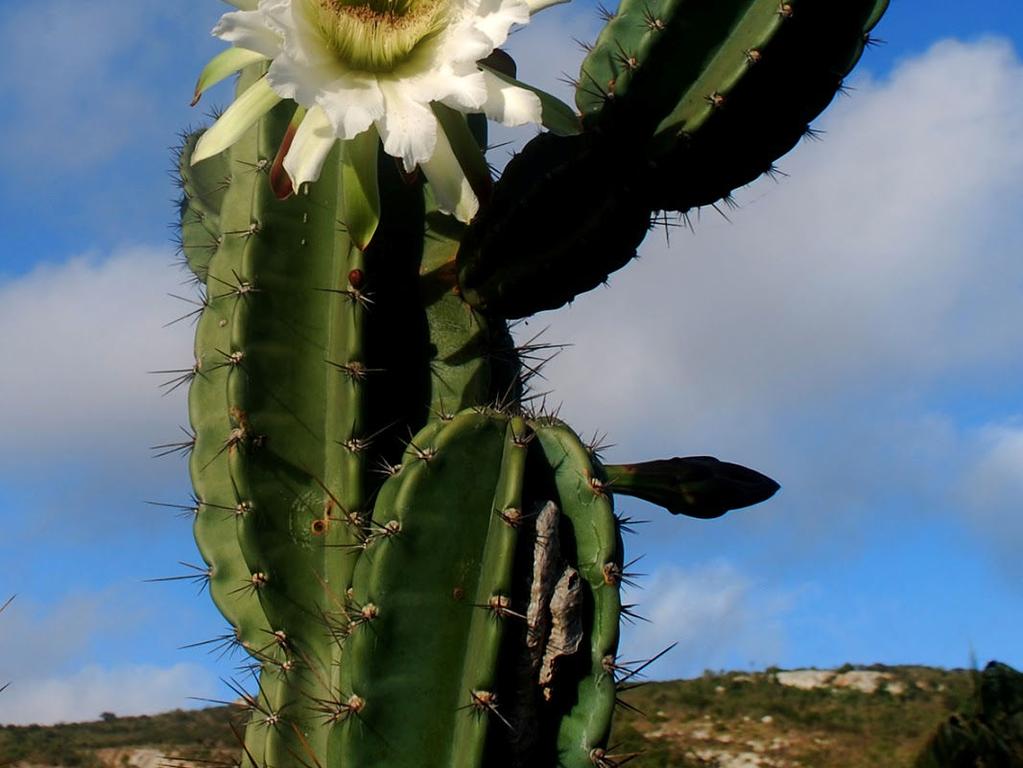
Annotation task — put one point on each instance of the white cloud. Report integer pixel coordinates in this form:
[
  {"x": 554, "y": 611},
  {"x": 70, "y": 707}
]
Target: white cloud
[
  {"x": 78, "y": 341},
  {"x": 59, "y": 66},
  {"x": 85, "y": 694},
  {"x": 991, "y": 488},
  {"x": 43, "y": 657},
  {"x": 79, "y": 77},
  {"x": 35, "y": 640},
  {"x": 719, "y": 616}
]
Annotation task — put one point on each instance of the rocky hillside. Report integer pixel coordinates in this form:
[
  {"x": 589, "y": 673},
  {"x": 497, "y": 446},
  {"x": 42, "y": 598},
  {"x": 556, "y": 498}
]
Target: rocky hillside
[
  {"x": 851, "y": 717},
  {"x": 844, "y": 718}
]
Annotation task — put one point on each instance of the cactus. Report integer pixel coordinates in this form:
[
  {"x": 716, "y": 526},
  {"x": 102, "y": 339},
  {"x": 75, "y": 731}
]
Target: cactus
[
  {"x": 989, "y": 732},
  {"x": 423, "y": 569}
]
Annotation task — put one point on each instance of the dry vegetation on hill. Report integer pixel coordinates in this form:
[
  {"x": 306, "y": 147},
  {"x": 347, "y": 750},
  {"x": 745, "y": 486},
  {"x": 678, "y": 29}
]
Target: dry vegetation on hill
[{"x": 848, "y": 718}]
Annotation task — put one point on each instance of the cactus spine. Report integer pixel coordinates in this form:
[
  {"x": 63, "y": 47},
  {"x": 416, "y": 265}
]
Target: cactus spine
[{"x": 422, "y": 570}]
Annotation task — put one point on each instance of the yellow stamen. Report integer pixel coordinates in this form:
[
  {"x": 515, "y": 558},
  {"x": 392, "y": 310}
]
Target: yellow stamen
[{"x": 378, "y": 35}]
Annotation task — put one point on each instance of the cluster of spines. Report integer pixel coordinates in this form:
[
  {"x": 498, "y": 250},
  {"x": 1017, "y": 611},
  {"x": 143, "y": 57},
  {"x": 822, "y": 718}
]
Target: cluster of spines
[{"x": 203, "y": 189}]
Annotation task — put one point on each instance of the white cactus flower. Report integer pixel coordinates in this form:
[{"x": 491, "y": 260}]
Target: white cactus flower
[{"x": 378, "y": 66}]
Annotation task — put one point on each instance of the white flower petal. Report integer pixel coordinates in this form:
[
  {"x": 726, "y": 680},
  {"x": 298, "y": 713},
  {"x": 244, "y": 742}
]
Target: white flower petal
[
  {"x": 293, "y": 80},
  {"x": 257, "y": 100},
  {"x": 451, "y": 188},
  {"x": 352, "y": 103},
  {"x": 312, "y": 143},
  {"x": 303, "y": 41},
  {"x": 496, "y": 17},
  {"x": 344, "y": 103},
  {"x": 535, "y": 6},
  {"x": 463, "y": 43},
  {"x": 408, "y": 128},
  {"x": 306, "y": 70},
  {"x": 509, "y": 104},
  {"x": 248, "y": 29},
  {"x": 465, "y": 90}
]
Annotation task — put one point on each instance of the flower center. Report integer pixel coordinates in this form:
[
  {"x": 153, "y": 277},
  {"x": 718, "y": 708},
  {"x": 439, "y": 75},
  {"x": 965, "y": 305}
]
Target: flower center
[{"x": 378, "y": 35}]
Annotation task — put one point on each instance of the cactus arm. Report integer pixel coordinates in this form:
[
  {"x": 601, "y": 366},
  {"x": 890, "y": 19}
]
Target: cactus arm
[
  {"x": 422, "y": 577},
  {"x": 587, "y": 507},
  {"x": 724, "y": 133},
  {"x": 724, "y": 68},
  {"x": 747, "y": 78},
  {"x": 278, "y": 449},
  {"x": 304, "y": 389},
  {"x": 278, "y": 309},
  {"x": 561, "y": 220},
  {"x": 623, "y": 72}
]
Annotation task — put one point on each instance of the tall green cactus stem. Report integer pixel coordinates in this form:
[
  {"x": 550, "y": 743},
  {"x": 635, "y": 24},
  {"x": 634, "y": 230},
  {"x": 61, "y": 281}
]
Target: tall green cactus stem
[
  {"x": 423, "y": 571},
  {"x": 286, "y": 434},
  {"x": 269, "y": 453}
]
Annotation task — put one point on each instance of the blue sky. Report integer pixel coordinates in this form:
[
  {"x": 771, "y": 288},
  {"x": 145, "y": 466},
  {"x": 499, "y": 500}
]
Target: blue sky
[{"x": 854, "y": 331}]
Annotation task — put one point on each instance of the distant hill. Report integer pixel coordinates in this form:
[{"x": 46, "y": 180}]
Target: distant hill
[{"x": 853, "y": 717}]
